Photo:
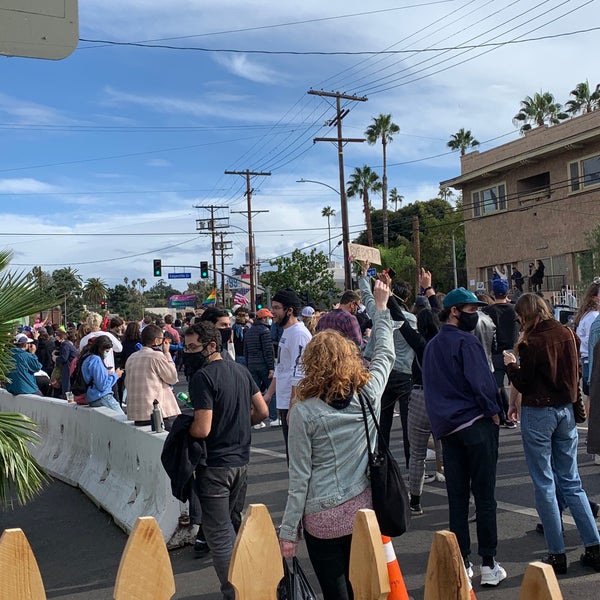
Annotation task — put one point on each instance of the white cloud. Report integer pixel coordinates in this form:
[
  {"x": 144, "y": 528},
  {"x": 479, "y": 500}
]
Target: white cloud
[
  {"x": 240, "y": 65},
  {"x": 159, "y": 162},
  {"x": 25, "y": 185}
]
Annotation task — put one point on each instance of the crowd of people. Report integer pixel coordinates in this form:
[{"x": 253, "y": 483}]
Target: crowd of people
[{"x": 454, "y": 367}]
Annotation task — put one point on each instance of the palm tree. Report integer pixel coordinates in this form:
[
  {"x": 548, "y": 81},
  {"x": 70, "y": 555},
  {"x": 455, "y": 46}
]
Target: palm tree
[
  {"x": 95, "y": 290},
  {"x": 361, "y": 182},
  {"x": 18, "y": 469},
  {"x": 540, "y": 110},
  {"x": 462, "y": 140},
  {"x": 396, "y": 198},
  {"x": 328, "y": 212},
  {"x": 585, "y": 101},
  {"x": 382, "y": 129}
]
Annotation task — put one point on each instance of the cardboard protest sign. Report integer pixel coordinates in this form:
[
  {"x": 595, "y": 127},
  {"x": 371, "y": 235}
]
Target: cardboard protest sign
[{"x": 359, "y": 252}]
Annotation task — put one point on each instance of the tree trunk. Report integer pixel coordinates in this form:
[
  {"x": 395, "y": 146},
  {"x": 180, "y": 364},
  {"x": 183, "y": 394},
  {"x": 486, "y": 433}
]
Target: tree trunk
[
  {"x": 367, "y": 210},
  {"x": 384, "y": 210}
]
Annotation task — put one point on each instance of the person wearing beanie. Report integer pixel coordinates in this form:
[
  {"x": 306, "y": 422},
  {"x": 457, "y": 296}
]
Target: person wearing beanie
[
  {"x": 502, "y": 312},
  {"x": 285, "y": 307}
]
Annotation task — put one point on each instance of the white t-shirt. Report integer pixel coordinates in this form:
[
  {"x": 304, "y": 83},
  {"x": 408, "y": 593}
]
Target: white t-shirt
[
  {"x": 109, "y": 361},
  {"x": 288, "y": 370},
  {"x": 583, "y": 331}
]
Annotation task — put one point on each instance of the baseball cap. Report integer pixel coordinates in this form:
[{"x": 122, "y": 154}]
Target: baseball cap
[
  {"x": 308, "y": 311},
  {"x": 421, "y": 302},
  {"x": 461, "y": 296},
  {"x": 500, "y": 286},
  {"x": 264, "y": 312},
  {"x": 21, "y": 338},
  {"x": 287, "y": 298}
]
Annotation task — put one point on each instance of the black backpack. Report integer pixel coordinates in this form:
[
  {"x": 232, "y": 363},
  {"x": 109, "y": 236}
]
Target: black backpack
[{"x": 79, "y": 385}]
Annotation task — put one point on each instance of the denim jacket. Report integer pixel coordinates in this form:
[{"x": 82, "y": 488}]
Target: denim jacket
[
  {"x": 404, "y": 353},
  {"x": 328, "y": 446}
]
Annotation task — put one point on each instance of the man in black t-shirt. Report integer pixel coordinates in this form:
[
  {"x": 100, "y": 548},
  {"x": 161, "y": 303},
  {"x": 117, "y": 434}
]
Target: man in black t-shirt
[
  {"x": 226, "y": 403},
  {"x": 503, "y": 314}
]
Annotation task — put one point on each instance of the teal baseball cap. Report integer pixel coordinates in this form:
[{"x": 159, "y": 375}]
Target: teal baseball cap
[{"x": 461, "y": 296}]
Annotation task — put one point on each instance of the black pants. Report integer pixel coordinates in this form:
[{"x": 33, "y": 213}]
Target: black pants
[
  {"x": 398, "y": 390},
  {"x": 331, "y": 561}
]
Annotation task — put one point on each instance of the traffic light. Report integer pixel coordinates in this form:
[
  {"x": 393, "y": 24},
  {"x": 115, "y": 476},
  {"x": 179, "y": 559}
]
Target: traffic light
[
  {"x": 157, "y": 267},
  {"x": 259, "y": 301},
  {"x": 103, "y": 304},
  {"x": 203, "y": 269}
]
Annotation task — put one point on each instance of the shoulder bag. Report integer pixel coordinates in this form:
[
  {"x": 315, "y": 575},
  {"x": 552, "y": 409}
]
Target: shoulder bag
[{"x": 388, "y": 490}]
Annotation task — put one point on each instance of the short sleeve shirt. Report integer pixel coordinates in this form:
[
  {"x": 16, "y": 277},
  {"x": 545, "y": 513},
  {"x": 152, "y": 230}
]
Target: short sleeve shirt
[{"x": 226, "y": 388}]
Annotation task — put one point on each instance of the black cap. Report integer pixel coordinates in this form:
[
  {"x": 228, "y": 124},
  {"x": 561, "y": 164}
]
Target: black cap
[{"x": 287, "y": 298}]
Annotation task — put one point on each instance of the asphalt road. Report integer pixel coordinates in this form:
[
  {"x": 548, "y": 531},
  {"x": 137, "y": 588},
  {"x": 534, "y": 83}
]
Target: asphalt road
[{"x": 78, "y": 548}]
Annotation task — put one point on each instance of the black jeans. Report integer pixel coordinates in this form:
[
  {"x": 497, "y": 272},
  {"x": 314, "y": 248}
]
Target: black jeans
[
  {"x": 222, "y": 493},
  {"x": 470, "y": 457},
  {"x": 331, "y": 561},
  {"x": 398, "y": 390}
]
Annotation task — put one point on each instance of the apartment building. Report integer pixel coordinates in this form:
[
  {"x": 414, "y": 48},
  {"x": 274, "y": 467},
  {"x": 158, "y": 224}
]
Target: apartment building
[{"x": 535, "y": 198}]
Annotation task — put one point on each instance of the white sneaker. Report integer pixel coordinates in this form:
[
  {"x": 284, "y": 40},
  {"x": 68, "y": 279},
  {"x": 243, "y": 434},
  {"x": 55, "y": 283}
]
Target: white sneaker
[
  {"x": 428, "y": 478},
  {"x": 597, "y": 459},
  {"x": 430, "y": 454},
  {"x": 275, "y": 423},
  {"x": 440, "y": 477},
  {"x": 469, "y": 569},
  {"x": 259, "y": 426},
  {"x": 492, "y": 576}
]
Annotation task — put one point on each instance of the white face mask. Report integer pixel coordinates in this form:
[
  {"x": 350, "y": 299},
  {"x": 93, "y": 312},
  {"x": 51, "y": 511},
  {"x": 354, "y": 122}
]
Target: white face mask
[
  {"x": 106, "y": 354},
  {"x": 270, "y": 321}
]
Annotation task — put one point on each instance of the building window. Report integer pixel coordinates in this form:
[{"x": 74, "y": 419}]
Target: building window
[
  {"x": 536, "y": 187},
  {"x": 489, "y": 200},
  {"x": 584, "y": 173}
]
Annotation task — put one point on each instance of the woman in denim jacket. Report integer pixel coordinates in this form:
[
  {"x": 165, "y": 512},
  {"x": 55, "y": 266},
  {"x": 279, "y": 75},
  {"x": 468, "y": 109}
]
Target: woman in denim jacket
[{"x": 328, "y": 480}]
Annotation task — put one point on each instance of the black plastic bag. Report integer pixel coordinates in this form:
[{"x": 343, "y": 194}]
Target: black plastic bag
[{"x": 295, "y": 584}]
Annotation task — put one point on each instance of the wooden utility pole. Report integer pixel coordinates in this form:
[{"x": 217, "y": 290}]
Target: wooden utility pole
[
  {"x": 223, "y": 245},
  {"x": 416, "y": 252},
  {"x": 214, "y": 224},
  {"x": 249, "y": 214},
  {"x": 341, "y": 141}
]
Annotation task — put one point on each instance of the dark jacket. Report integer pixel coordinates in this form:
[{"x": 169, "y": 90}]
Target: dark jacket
[
  {"x": 593, "y": 434},
  {"x": 507, "y": 329},
  {"x": 548, "y": 372},
  {"x": 181, "y": 455},
  {"x": 258, "y": 347}
]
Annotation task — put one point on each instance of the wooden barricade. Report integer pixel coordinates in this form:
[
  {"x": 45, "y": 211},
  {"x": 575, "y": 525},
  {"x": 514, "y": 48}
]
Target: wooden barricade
[
  {"x": 446, "y": 578},
  {"x": 19, "y": 572},
  {"x": 540, "y": 583}
]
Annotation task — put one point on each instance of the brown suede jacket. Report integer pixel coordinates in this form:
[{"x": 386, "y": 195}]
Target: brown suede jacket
[{"x": 548, "y": 373}]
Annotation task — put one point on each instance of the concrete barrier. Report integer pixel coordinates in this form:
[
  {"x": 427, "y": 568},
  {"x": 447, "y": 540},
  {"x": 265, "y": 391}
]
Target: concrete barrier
[{"x": 115, "y": 463}]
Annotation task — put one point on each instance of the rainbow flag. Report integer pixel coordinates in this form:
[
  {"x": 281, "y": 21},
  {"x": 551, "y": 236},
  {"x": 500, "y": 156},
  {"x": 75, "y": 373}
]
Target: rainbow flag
[{"x": 211, "y": 298}]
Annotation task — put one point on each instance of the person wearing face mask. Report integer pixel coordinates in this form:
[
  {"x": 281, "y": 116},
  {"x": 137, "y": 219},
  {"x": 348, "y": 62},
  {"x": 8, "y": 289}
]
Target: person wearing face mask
[
  {"x": 460, "y": 398},
  {"x": 226, "y": 403},
  {"x": 222, "y": 321},
  {"x": 150, "y": 374},
  {"x": 96, "y": 374},
  {"x": 258, "y": 352}
]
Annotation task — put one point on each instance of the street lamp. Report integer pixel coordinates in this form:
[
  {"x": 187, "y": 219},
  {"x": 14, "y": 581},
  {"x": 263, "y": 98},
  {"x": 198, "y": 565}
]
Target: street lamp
[{"x": 345, "y": 233}]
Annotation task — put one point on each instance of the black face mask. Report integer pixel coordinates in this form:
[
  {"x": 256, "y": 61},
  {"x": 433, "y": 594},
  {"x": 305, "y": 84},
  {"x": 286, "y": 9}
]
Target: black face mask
[
  {"x": 225, "y": 336},
  {"x": 285, "y": 320},
  {"x": 196, "y": 360},
  {"x": 468, "y": 321}
]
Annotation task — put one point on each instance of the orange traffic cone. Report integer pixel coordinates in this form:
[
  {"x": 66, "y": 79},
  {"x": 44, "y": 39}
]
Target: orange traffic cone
[{"x": 397, "y": 587}]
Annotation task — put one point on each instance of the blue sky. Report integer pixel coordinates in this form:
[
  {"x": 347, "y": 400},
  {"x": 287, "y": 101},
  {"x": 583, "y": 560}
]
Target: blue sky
[{"x": 120, "y": 143}]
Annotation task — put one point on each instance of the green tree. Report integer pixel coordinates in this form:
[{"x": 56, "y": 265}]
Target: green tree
[
  {"x": 159, "y": 293},
  {"x": 383, "y": 128},
  {"x": 361, "y": 182},
  {"x": 396, "y": 198},
  {"x": 120, "y": 302},
  {"x": 94, "y": 291},
  {"x": 584, "y": 100},
  {"x": 302, "y": 272},
  {"x": 541, "y": 109},
  {"x": 462, "y": 140},
  {"x": 67, "y": 287},
  {"x": 589, "y": 260},
  {"x": 328, "y": 212},
  {"x": 19, "y": 472}
]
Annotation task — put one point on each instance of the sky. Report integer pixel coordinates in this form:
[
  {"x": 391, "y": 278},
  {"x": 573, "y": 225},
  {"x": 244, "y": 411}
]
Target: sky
[{"x": 108, "y": 154}]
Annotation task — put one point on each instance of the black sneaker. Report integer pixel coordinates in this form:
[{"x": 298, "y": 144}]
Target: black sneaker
[
  {"x": 595, "y": 508},
  {"x": 415, "y": 509},
  {"x": 591, "y": 558},
  {"x": 557, "y": 561},
  {"x": 201, "y": 548}
]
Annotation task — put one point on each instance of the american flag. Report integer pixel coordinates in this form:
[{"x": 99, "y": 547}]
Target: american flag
[{"x": 240, "y": 297}]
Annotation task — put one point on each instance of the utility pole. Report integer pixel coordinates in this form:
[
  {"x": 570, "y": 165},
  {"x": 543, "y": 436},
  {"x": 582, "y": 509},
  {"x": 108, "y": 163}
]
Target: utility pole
[
  {"x": 416, "y": 251},
  {"x": 340, "y": 140},
  {"x": 214, "y": 224},
  {"x": 223, "y": 245},
  {"x": 249, "y": 214}
]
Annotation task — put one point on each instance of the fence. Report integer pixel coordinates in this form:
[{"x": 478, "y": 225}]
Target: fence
[{"x": 145, "y": 571}]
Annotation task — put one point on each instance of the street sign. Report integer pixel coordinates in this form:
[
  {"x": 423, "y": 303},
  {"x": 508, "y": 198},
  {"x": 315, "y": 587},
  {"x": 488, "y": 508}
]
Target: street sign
[
  {"x": 179, "y": 275},
  {"x": 371, "y": 272}
]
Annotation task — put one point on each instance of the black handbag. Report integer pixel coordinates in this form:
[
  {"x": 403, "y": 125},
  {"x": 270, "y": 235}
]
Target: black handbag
[
  {"x": 388, "y": 490},
  {"x": 295, "y": 584}
]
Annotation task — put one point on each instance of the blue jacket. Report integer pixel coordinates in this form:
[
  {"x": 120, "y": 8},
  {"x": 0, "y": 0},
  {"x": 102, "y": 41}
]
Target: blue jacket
[
  {"x": 94, "y": 370},
  {"x": 459, "y": 386},
  {"x": 22, "y": 380},
  {"x": 258, "y": 347}
]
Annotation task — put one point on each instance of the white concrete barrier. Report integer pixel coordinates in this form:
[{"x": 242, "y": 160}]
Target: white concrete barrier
[{"x": 115, "y": 463}]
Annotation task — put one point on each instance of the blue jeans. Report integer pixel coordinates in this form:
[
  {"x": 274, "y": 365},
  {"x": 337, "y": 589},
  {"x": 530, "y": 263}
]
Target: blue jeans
[
  {"x": 470, "y": 457},
  {"x": 222, "y": 493},
  {"x": 109, "y": 402},
  {"x": 550, "y": 444}
]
